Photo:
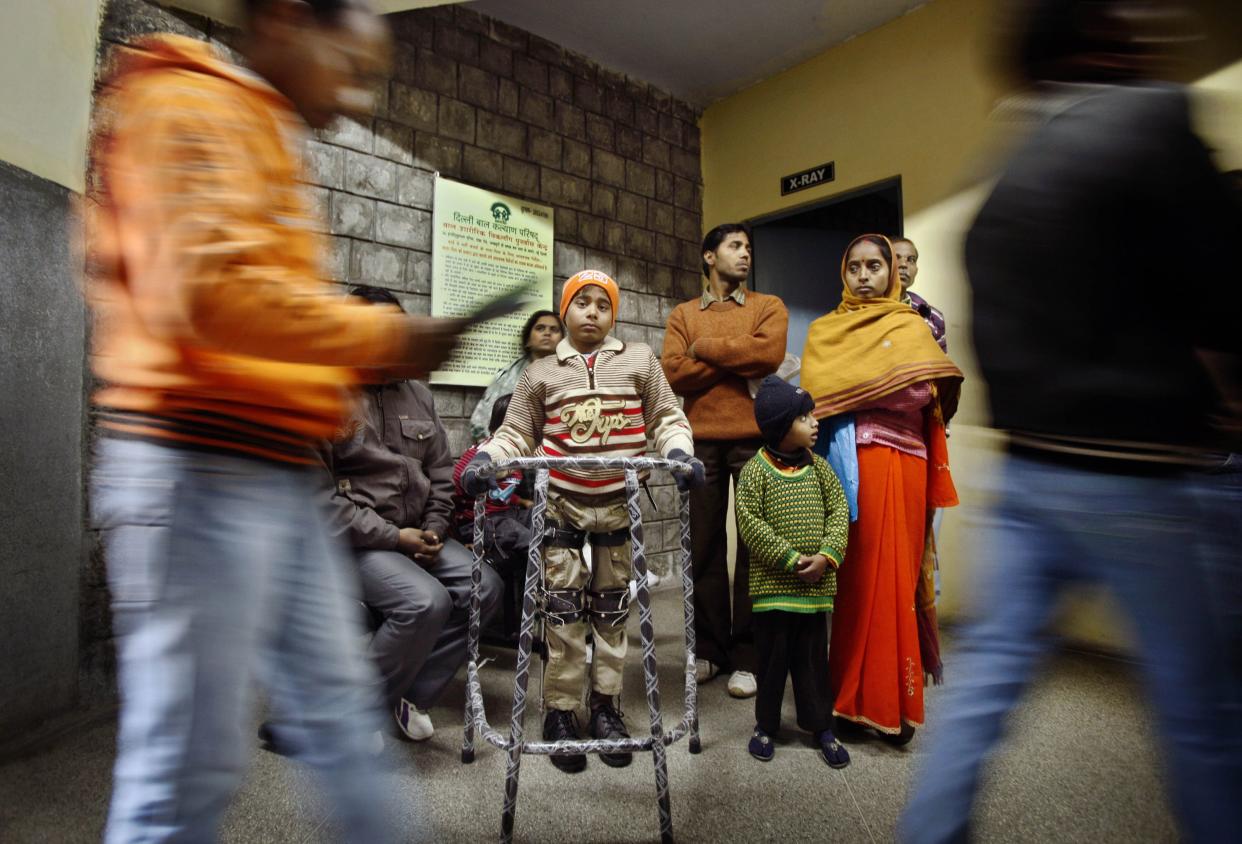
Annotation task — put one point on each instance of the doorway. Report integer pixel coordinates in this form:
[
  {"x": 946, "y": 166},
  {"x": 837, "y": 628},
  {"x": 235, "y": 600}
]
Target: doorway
[{"x": 797, "y": 253}]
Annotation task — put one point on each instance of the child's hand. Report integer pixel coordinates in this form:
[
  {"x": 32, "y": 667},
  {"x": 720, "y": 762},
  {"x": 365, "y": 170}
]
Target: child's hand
[{"x": 811, "y": 569}]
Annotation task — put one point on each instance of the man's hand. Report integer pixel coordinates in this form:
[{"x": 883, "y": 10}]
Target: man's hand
[
  {"x": 690, "y": 351},
  {"x": 422, "y": 546},
  {"x": 811, "y": 569},
  {"x": 432, "y": 341},
  {"x": 693, "y": 476},
  {"x": 472, "y": 481}
]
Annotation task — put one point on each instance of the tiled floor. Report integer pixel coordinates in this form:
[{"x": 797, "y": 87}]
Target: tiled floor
[{"x": 1080, "y": 767}]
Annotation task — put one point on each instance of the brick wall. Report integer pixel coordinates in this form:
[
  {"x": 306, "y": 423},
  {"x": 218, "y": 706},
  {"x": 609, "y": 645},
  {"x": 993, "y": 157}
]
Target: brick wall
[{"x": 493, "y": 106}]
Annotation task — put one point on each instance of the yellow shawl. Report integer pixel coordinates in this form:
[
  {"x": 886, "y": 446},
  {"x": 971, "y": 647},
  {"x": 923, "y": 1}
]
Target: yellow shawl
[{"x": 870, "y": 348}]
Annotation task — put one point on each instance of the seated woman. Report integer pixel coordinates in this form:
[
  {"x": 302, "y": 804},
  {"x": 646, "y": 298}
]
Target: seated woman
[
  {"x": 873, "y": 357},
  {"x": 543, "y": 330}
]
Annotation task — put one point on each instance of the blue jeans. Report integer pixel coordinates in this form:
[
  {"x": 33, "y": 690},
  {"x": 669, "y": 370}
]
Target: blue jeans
[
  {"x": 1054, "y": 526},
  {"x": 221, "y": 570}
]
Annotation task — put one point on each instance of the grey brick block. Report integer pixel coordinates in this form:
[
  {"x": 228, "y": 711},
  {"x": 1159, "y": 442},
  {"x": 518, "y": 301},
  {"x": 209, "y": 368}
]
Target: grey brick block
[
  {"x": 666, "y": 308},
  {"x": 627, "y": 332},
  {"x": 685, "y": 193},
  {"x": 477, "y": 87},
  {"x": 567, "y": 259},
  {"x": 660, "y": 280},
  {"x": 530, "y": 73},
  {"x": 411, "y": 28},
  {"x": 545, "y": 50},
  {"x": 521, "y": 177},
  {"x": 394, "y": 142},
  {"x": 564, "y": 189},
  {"x": 336, "y": 259},
  {"x": 619, "y": 106},
  {"x": 614, "y": 237},
  {"x": 324, "y": 164},
  {"x": 509, "y": 35},
  {"x": 640, "y": 178},
  {"x": 415, "y": 187},
  {"x": 456, "y": 120},
  {"x": 352, "y": 215},
  {"x": 471, "y": 21},
  {"x": 640, "y": 243},
  {"x": 545, "y": 148},
  {"x": 576, "y": 158},
  {"x": 374, "y": 263},
  {"x": 570, "y": 120},
  {"x": 660, "y": 100},
  {"x": 507, "y": 99},
  {"x": 612, "y": 79},
  {"x": 660, "y": 217},
  {"x": 348, "y": 133},
  {"x": 689, "y": 283},
  {"x": 683, "y": 111},
  {"x": 666, "y": 186},
  {"x": 126, "y": 19},
  {"x": 418, "y": 272},
  {"x": 453, "y": 42},
  {"x": 602, "y": 261},
  {"x": 649, "y": 309},
  {"x": 404, "y": 61},
  {"x": 435, "y": 71},
  {"x": 412, "y": 106},
  {"x": 629, "y": 141},
  {"x": 370, "y": 176},
  {"x": 432, "y": 152},
  {"x": 691, "y": 256},
  {"x": 560, "y": 84},
  {"x": 604, "y": 201},
  {"x": 502, "y": 134},
  {"x": 671, "y": 130},
  {"x": 689, "y": 227},
  {"x": 692, "y": 138},
  {"x": 401, "y": 226},
  {"x": 628, "y": 308},
  {"x": 588, "y": 95},
  {"x": 631, "y": 274},
  {"x": 321, "y": 207},
  {"x": 591, "y": 230},
  {"x": 667, "y": 250},
  {"x": 496, "y": 58},
  {"x": 566, "y": 222},
  {"x": 631, "y": 208},
  {"x": 536, "y": 108},
  {"x": 656, "y": 152},
  {"x": 448, "y": 403},
  {"x": 608, "y": 167},
  {"x": 686, "y": 164},
  {"x": 482, "y": 167},
  {"x": 600, "y": 132},
  {"x": 647, "y": 120}
]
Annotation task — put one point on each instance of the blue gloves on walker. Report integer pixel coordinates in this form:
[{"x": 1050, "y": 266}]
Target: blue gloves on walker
[
  {"x": 473, "y": 483},
  {"x": 693, "y": 476}
]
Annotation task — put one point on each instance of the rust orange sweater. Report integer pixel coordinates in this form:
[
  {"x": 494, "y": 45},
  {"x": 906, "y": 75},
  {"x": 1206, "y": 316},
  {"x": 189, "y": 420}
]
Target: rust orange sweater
[
  {"x": 709, "y": 353},
  {"x": 213, "y": 327}
]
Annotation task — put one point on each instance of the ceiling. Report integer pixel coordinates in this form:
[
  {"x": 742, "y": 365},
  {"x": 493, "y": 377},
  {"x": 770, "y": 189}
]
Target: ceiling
[{"x": 698, "y": 50}]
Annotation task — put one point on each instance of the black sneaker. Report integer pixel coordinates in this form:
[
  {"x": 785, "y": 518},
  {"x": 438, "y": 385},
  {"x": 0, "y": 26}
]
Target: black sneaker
[
  {"x": 607, "y": 723},
  {"x": 562, "y": 725}
]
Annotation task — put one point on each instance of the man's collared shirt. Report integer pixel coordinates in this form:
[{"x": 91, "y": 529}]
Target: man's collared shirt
[
  {"x": 931, "y": 316},
  {"x": 708, "y": 298}
]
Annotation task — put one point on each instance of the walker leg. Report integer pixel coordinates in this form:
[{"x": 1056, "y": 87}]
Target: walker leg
[
  {"x": 659, "y": 753},
  {"x": 687, "y": 593},
  {"x": 472, "y": 652},
  {"x": 534, "y": 565}
]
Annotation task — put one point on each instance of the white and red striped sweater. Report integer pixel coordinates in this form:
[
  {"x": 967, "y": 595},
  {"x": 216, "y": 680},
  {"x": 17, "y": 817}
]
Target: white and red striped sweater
[{"x": 607, "y": 404}]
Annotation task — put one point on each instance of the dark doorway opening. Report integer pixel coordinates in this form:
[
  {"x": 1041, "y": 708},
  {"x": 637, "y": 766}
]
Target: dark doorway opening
[{"x": 797, "y": 253}]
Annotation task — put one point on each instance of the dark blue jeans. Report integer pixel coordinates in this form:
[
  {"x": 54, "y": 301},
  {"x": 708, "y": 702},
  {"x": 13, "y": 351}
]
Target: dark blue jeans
[{"x": 1141, "y": 537}]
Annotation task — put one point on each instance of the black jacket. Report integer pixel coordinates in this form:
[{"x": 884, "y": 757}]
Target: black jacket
[{"x": 1096, "y": 267}]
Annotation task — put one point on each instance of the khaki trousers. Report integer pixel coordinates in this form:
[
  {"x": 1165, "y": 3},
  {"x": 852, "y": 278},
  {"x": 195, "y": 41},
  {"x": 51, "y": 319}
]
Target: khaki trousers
[{"x": 564, "y": 569}]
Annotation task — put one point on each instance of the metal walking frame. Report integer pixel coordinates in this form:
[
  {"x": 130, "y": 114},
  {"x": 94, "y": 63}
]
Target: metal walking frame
[{"x": 516, "y": 744}]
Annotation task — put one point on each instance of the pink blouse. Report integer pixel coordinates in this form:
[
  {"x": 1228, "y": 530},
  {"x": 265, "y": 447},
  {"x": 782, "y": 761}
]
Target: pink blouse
[{"x": 896, "y": 420}]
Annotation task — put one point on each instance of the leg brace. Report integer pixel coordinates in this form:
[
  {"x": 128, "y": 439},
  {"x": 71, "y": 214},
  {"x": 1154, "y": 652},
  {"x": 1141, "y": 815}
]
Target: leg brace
[{"x": 611, "y": 607}]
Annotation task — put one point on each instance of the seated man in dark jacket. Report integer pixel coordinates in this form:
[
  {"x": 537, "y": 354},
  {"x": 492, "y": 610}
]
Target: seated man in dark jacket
[{"x": 393, "y": 502}]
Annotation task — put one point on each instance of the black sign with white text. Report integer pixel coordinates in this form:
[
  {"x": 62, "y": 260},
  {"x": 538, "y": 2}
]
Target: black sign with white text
[{"x": 804, "y": 179}]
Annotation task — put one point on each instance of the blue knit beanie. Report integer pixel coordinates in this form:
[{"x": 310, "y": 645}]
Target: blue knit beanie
[{"x": 777, "y": 404}]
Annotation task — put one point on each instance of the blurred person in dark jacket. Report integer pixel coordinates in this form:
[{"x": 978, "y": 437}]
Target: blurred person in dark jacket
[{"x": 1101, "y": 324}]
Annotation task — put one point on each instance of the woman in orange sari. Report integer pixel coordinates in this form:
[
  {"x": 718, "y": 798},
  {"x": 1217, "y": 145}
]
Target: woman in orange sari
[{"x": 873, "y": 357}]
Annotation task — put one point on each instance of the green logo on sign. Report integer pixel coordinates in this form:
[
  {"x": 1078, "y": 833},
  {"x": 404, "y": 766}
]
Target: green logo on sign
[{"x": 500, "y": 212}]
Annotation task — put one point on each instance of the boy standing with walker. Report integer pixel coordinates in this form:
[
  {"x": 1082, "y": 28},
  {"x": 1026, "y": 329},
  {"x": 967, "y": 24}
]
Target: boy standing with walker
[{"x": 595, "y": 397}]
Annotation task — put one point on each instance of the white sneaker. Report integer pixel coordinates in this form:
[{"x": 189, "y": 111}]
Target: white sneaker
[
  {"x": 414, "y": 723},
  {"x": 743, "y": 684},
  {"x": 704, "y": 670}
]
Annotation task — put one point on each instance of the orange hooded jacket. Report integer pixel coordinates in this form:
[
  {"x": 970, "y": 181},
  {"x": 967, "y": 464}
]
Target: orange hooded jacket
[{"x": 213, "y": 325}]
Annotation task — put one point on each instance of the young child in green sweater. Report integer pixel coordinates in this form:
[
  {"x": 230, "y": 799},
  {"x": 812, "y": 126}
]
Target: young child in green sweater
[{"x": 793, "y": 516}]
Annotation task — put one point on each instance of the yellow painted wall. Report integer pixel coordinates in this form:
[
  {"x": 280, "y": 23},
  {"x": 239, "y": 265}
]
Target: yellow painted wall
[
  {"x": 47, "y": 62},
  {"x": 912, "y": 99}
]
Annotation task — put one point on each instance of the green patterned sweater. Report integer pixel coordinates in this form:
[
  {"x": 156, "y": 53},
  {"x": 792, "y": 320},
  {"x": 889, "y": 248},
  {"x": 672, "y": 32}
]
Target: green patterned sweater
[{"x": 785, "y": 513}]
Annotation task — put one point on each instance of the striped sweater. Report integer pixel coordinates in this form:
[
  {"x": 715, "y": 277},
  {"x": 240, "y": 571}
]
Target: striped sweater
[
  {"x": 783, "y": 514},
  {"x": 607, "y": 404}
]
